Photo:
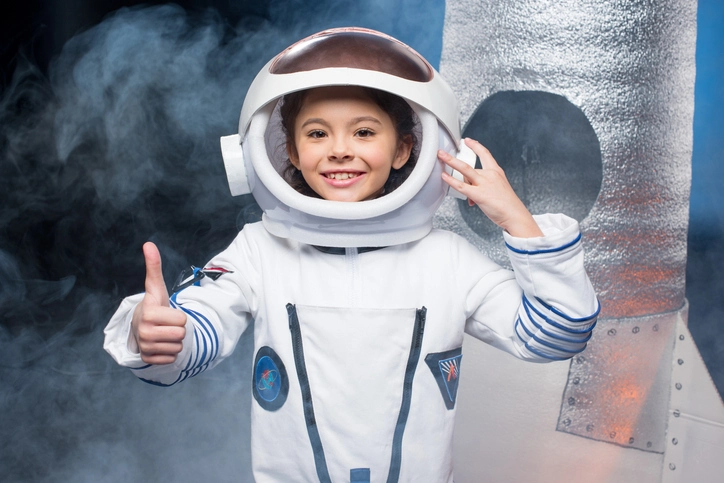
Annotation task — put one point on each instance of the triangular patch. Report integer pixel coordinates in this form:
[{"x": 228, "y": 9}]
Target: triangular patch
[{"x": 445, "y": 366}]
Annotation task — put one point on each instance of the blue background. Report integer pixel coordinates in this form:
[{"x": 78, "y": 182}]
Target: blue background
[{"x": 704, "y": 275}]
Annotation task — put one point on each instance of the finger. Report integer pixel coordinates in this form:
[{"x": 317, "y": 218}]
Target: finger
[
  {"x": 170, "y": 334},
  {"x": 155, "y": 284},
  {"x": 487, "y": 161},
  {"x": 458, "y": 185},
  {"x": 158, "y": 359},
  {"x": 165, "y": 348},
  {"x": 461, "y": 167},
  {"x": 155, "y": 315}
]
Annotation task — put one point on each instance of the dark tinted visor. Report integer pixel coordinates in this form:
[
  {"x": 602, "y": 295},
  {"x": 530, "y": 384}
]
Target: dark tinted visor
[{"x": 354, "y": 48}]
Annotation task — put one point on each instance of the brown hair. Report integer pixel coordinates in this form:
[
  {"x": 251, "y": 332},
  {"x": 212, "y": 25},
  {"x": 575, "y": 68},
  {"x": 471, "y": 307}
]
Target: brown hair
[{"x": 403, "y": 118}]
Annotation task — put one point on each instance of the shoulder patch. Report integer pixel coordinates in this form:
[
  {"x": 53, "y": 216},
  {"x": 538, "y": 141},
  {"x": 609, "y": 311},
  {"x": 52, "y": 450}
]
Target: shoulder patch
[
  {"x": 445, "y": 367},
  {"x": 270, "y": 384},
  {"x": 192, "y": 276},
  {"x": 215, "y": 272}
]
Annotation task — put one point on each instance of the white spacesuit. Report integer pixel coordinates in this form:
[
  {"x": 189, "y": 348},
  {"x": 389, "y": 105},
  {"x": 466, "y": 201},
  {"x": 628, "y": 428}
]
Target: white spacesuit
[{"x": 359, "y": 309}]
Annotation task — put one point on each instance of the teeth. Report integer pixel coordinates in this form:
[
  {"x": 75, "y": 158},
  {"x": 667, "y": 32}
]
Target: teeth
[{"x": 341, "y": 176}]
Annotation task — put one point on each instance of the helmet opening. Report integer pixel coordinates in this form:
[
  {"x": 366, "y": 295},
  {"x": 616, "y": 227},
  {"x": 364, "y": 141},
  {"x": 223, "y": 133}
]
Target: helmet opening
[{"x": 276, "y": 138}]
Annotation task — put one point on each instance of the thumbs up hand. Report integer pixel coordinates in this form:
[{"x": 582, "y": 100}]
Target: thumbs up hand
[{"x": 159, "y": 330}]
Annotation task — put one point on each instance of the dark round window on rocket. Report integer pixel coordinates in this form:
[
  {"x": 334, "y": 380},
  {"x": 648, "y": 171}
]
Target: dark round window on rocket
[{"x": 547, "y": 148}]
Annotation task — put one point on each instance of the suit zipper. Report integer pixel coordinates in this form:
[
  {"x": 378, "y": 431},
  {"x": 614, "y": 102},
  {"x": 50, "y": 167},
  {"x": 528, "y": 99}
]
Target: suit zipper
[
  {"x": 319, "y": 460},
  {"x": 415, "y": 349}
]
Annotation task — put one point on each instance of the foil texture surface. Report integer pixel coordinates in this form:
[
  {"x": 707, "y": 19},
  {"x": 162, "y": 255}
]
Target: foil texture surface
[{"x": 629, "y": 67}]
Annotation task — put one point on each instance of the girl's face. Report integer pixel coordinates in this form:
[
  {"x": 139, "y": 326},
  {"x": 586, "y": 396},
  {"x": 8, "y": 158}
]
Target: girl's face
[{"x": 345, "y": 144}]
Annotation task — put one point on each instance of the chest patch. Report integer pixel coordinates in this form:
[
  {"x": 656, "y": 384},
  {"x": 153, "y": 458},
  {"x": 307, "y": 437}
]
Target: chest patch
[
  {"x": 445, "y": 366},
  {"x": 271, "y": 384}
]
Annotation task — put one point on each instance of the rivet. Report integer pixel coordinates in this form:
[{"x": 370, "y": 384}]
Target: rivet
[
  {"x": 576, "y": 380},
  {"x": 612, "y": 332},
  {"x": 681, "y": 337},
  {"x": 589, "y": 428},
  {"x": 680, "y": 361},
  {"x": 635, "y": 330},
  {"x": 656, "y": 327},
  {"x": 674, "y": 441},
  {"x": 630, "y": 440},
  {"x": 571, "y": 401},
  {"x": 580, "y": 359},
  {"x": 566, "y": 422},
  {"x": 677, "y": 413},
  {"x": 612, "y": 434},
  {"x": 672, "y": 466},
  {"x": 678, "y": 386},
  {"x": 648, "y": 444}
]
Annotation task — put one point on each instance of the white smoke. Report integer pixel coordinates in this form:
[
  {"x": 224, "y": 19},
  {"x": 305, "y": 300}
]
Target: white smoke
[{"x": 118, "y": 145}]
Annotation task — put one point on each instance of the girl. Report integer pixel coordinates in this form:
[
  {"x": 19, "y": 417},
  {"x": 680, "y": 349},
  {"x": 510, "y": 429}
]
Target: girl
[{"x": 347, "y": 294}]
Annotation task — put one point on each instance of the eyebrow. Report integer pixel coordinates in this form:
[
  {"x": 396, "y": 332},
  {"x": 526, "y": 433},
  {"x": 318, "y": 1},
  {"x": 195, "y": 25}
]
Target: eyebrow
[{"x": 356, "y": 120}]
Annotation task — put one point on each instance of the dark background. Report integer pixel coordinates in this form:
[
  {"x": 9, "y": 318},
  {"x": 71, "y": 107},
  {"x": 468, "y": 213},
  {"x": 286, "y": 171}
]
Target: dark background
[
  {"x": 109, "y": 125},
  {"x": 102, "y": 149}
]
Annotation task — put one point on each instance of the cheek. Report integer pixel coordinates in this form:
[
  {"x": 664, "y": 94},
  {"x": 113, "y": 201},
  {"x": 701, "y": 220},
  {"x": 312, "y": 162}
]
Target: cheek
[
  {"x": 307, "y": 156},
  {"x": 307, "y": 169},
  {"x": 381, "y": 160}
]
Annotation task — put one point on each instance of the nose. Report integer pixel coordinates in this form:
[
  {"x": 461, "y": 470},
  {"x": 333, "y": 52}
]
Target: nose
[{"x": 340, "y": 150}]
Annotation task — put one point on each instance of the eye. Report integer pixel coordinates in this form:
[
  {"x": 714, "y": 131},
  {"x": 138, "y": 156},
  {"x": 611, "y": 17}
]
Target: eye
[
  {"x": 364, "y": 132},
  {"x": 317, "y": 134}
]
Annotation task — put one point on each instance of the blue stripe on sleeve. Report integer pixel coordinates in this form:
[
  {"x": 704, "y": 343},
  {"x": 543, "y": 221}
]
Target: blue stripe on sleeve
[
  {"x": 140, "y": 368},
  {"x": 205, "y": 329},
  {"x": 197, "y": 353},
  {"x": 208, "y": 329},
  {"x": 543, "y": 354},
  {"x": 204, "y": 351},
  {"x": 527, "y": 304},
  {"x": 188, "y": 363},
  {"x": 546, "y": 343},
  {"x": 154, "y": 383},
  {"x": 556, "y": 336},
  {"x": 546, "y": 250},
  {"x": 568, "y": 318},
  {"x": 539, "y": 352},
  {"x": 209, "y": 325}
]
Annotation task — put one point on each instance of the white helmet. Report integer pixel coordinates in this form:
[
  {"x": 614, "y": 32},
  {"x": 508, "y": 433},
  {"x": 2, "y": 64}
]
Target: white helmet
[{"x": 256, "y": 157}]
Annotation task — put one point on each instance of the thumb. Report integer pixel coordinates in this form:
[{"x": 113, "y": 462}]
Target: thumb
[{"x": 156, "y": 292}]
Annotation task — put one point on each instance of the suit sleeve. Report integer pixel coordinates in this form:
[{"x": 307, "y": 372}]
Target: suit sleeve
[
  {"x": 217, "y": 313},
  {"x": 548, "y": 310}
]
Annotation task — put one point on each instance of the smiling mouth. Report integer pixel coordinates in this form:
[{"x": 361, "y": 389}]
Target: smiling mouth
[{"x": 341, "y": 176}]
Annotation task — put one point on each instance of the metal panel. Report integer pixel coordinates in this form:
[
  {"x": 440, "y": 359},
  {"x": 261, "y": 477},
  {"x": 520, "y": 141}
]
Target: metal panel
[{"x": 618, "y": 389}]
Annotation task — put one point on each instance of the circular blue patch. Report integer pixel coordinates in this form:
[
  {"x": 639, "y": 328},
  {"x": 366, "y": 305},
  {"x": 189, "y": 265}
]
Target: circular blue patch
[
  {"x": 271, "y": 384},
  {"x": 268, "y": 381}
]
